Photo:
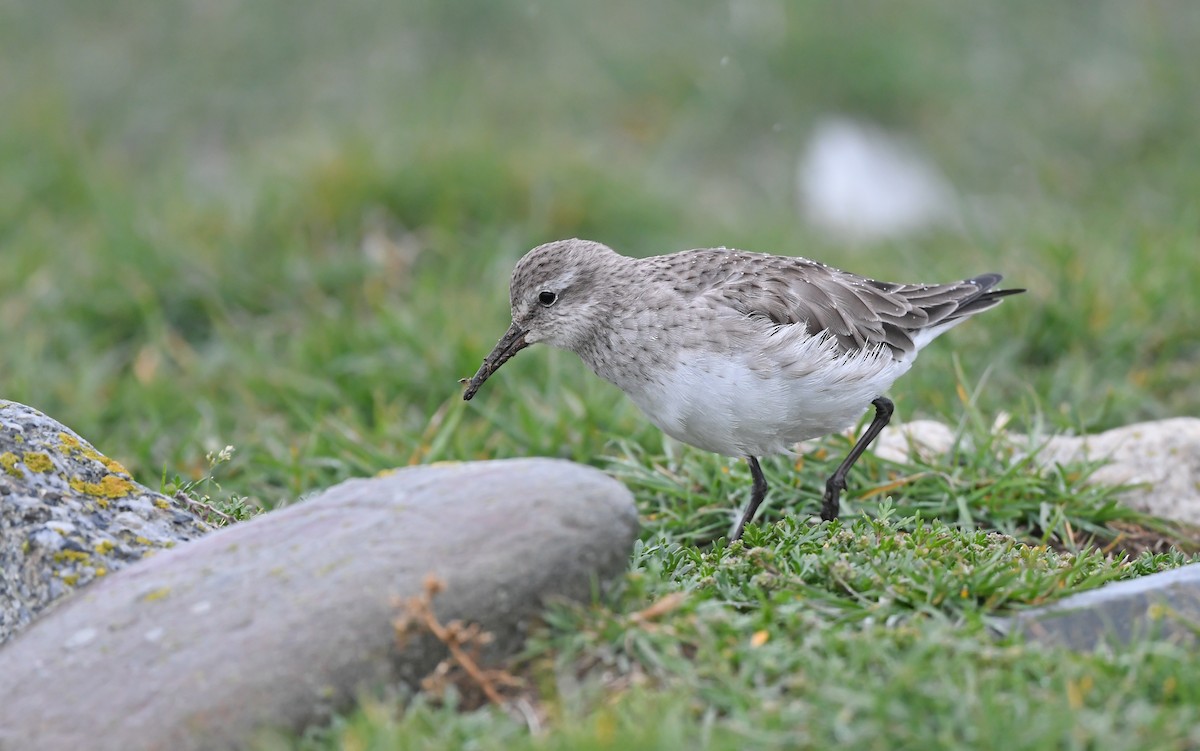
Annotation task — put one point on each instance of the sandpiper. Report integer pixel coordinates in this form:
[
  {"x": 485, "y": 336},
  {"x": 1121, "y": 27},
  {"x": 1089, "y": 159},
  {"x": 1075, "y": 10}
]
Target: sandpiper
[{"x": 743, "y": 354}]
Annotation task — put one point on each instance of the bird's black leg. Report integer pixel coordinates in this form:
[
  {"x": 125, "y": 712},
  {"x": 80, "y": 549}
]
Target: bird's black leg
[
  {"x": 837, "y": 481},
  {"x": 756, "y": 497}
]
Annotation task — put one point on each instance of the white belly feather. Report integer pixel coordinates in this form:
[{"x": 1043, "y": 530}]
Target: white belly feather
[{"x": 738, "y": 406}]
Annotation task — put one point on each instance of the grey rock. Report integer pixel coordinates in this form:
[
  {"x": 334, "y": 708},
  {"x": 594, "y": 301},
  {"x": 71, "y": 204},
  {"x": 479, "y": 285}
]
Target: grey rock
[
  {"x": 1162, "y": 606},
  {"x": 1159, "y": 460},
  {"x": 69, "y": 515},
  {"x": 274, "y": 622}
]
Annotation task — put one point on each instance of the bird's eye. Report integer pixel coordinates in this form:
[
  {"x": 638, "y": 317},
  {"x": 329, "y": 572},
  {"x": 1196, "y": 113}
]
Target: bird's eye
[{"x": 547, "y": 298}]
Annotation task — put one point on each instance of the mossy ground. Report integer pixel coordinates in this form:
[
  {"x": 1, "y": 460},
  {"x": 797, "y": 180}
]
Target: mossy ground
[{"x": 289, "y": 228}]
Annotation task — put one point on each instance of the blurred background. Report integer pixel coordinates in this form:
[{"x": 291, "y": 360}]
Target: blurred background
[{"x": 288, "y": 226}]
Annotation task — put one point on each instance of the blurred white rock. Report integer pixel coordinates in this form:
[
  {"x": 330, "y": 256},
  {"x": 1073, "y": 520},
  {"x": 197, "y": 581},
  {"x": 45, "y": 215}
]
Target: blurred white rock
[
  {"x": 927, "y": 440},
  {"x": 1159, "y": 460},
  {"x": 858, "y": 183}
]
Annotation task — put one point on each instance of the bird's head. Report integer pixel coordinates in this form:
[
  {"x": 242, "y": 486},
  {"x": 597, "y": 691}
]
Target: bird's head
[{"x": 558, "y": 296}]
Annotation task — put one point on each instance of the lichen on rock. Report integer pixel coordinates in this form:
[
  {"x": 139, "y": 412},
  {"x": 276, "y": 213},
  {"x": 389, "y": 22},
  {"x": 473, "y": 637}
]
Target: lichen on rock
[{"x": 69, "y": 514}]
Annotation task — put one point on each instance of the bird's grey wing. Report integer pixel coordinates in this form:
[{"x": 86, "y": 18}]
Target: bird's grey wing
[{"x": 859, "y": 312}]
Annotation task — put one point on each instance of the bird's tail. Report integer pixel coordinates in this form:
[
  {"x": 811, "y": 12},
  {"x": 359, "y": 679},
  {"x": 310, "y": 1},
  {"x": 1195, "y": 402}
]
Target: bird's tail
[{"x": 983, "y": 298}]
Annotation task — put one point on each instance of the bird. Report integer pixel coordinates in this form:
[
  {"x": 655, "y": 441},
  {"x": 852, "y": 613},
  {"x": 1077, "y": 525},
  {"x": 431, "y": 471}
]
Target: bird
[{"x": 737, "y": 353}]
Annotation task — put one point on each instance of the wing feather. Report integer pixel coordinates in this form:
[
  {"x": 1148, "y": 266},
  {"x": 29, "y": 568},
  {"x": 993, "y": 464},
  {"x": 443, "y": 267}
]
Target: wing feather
[{"x": 857, "y": 311}]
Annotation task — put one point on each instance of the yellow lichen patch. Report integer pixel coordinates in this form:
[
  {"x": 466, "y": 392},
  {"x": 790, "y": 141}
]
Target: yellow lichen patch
[
  {"x": 71, "y": 555},
  {"x": 101, "y": 571},
  {"x": 162, "y": 503},
  {"x": 156, "y": 594},
  {"x": 111, "y": 486},
  {"x": 70, "y": 579},
  {"x": 104, "y": 547},
  {"x": 114, "y": 466},
  {"x": 68, "y": 441},
  {"x": 38, "y": 461},
  {"x": 8, "y": 460},
  {"x": 115, "y": 487},
  {"x": 79, "y": 485}
]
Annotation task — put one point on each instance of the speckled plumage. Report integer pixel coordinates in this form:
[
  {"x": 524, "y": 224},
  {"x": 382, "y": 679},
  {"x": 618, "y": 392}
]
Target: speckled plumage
[{"x": 742, "y": 354}]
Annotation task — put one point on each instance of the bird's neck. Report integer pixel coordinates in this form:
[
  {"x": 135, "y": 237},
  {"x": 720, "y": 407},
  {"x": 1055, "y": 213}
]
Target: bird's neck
[{"x": 625, "y": 344}]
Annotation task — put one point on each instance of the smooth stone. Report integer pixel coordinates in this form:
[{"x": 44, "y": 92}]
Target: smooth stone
[
  {"x": 1164, "y": 606},
  {"x": 70, "y": 515},
  {"x": 276, "y": 622}
]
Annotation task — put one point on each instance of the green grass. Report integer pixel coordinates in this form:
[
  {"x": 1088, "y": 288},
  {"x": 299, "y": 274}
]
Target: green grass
[
  {"x": 859, "y": 636},
  {"x": 288, "y": 228}
]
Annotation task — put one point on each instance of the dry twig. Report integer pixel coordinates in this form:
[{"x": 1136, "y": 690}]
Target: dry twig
[
  {"x": 194, "y": 504},
  {"x": 464, "y": 641}
]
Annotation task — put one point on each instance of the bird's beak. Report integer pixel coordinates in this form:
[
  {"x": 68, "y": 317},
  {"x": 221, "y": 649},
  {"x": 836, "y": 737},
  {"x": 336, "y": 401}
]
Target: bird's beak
[{"x": 510, "y": 344}]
